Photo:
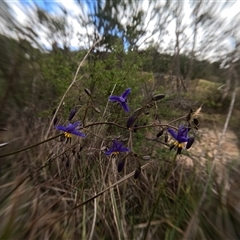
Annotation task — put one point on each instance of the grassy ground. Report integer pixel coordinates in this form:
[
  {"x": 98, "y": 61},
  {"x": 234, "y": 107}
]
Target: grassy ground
[{"x": 58, "y": 190}]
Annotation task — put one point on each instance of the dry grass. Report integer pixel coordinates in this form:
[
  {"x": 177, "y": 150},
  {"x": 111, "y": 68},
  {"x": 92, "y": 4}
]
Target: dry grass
[{"x": 73, "y": 191}]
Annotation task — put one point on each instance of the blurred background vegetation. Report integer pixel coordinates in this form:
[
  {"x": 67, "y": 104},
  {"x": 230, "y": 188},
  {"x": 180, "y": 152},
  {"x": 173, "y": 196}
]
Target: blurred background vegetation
[{"x": 190, "y": 56}]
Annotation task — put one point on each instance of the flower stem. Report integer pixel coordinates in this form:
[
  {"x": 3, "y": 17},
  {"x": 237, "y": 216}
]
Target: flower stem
[{"x": 29, "y": 147}]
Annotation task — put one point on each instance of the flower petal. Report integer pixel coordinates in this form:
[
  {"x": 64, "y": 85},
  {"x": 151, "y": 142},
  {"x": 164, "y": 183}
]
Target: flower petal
[
  {"x": 125, "y": 107},
  {"x": 122, "y": 99},
  {"x": 109, "y": 152},
  {"x": 61, "y": 128},
  {"x": 172, "y": 132},
  {"x": 180, "y": 132},
  {"x": 126, "y": 92},
  {"x": 182, "y": 139},
  {"x": 123, "y": 149},
  {"x": 115, "y": 145},
  {"x": 185, "y": 131},
  {"x": 114, "y": 99},
  {"x": 78, "y": 133},
  {"x": 71, "y": 126}
]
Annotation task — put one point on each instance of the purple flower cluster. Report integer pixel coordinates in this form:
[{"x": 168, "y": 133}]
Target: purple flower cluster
[
  {"x": 181, "y": 136},
  {"x": 73, "y": 128}
]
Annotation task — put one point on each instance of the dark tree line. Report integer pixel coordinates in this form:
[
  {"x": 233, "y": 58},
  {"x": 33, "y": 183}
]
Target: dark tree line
[{"x": 27, "y": 67}]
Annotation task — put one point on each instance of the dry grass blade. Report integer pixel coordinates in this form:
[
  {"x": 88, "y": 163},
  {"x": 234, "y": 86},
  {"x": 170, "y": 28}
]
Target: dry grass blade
[
  {"x": 3, "y": 144},
  {"x": 35, "y": 221},
  {"x": 197, "y": 112},
  {"x": 94, "y": 219},
  {"x": 116, "y": 214},
  {"x": 113, "y": 185}
]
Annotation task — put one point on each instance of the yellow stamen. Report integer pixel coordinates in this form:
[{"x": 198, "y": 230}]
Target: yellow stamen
[
  {"x": 115, "y": 153},
  {"x": 67, "y": 135},
  {"x": 178, "y": 144}
]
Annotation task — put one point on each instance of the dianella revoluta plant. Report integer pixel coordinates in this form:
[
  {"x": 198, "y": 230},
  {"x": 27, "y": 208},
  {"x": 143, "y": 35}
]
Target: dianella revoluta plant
[{"x": 123, "y": 146}]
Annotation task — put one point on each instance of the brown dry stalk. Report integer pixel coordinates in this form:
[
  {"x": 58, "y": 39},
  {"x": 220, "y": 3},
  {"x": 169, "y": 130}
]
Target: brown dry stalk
[
  {"x": 35, "y": 221},
  {"x": 69, "y": 87},
  {"x": 113, "y": 185},
  {"x": 96, "y": 195}
]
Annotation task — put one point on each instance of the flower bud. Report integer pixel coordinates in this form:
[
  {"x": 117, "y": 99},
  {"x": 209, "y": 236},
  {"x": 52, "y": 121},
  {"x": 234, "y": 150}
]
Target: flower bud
[
  {"x": 190, "y": 142},
  {"x": 131, "y": 121},
  {"x": 158, "y": 97},
  {"x": 160, "y": 133},
  {"x": 54, "y": 110},
  {"x": 166, "y": 137},
  {"x": 137, "y": 172},
  {"x": 97, "y": 110},
  {"x": 88, "y": 92},
  {"x": 189, "y": 116},
  {"x": 72, "y": 114},
  {"x": 179, "y": 150},
  {"x": 121, "y": 165},
  {"x": 196, "y": 123},
  {"x": 55, "y": 121}
]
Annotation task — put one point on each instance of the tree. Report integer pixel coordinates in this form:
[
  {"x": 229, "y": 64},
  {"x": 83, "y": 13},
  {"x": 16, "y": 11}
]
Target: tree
[{"x": 115, "y": 20}]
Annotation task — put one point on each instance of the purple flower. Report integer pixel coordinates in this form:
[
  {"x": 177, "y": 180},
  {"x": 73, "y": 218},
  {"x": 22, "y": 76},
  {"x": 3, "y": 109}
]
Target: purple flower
[
  {"x": 181, "y": 137},
  {"x": 122, "y": 99},
  {"x": 116, "y": 148},
  {"x": 71, "y": 129}
]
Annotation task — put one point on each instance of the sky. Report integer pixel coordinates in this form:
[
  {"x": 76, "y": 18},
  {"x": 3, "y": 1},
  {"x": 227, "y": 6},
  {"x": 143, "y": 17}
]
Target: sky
[{"x": 23, "y": 11}]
